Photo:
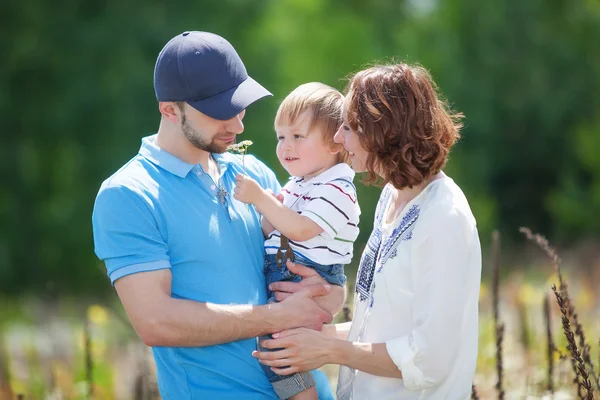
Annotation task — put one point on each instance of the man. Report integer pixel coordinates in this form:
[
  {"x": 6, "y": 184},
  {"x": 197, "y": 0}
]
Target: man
[{"x": 186, "y": 258}]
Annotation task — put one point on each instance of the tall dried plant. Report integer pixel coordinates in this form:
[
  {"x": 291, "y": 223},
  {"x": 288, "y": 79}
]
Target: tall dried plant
[
  {"x": 524, "y": 327},
  {"x": 570, "y": 314},
  {"x": 550, "y": 343},
  {"x": 584, "y": 389},
  {"x": 474, "y": 394},
  {"x": 89, "y": 366},
  {"x": 5, "y": 389},
  {"x": 499, "y": 364},
  {"x": 495, "y": 304},
  {"x": 346, "y": 311},
  {"x": 495, "y": 274}
]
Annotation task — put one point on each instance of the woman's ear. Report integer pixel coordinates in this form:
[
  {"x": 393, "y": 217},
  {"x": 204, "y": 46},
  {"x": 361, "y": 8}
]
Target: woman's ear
[
  {"x": 342, "y": 153},
  {"x": 335, "y": 148}
]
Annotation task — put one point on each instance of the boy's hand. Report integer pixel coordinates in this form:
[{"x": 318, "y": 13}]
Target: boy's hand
[{"x": 247, "y": 190}]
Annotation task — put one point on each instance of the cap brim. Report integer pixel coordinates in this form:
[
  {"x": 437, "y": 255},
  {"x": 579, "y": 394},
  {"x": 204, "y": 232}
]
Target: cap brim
[{"x": 228, "y": 104}]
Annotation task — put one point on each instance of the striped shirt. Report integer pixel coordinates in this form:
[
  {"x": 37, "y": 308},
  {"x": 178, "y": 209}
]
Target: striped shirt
[{"x": 328, "y": 199}]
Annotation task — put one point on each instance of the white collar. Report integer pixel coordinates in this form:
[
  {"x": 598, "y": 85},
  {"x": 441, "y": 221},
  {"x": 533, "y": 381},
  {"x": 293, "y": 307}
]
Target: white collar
[{"x": 341, "y": 170}]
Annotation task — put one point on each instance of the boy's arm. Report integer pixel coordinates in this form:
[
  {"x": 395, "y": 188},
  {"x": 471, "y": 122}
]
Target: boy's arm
[
  {"x": 293, "y": 225},
  {"x": 266, "y": 226}
]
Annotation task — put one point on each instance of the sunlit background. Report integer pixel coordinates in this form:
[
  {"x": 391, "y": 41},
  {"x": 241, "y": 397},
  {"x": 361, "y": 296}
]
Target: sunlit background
[{"x": 76, "y": 97}]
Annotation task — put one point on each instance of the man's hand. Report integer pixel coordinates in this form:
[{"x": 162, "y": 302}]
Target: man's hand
[
  {"x": 247, "y": 190},
  {"x": 332, "y": 302},
  {"x": 301, "y": 310}
]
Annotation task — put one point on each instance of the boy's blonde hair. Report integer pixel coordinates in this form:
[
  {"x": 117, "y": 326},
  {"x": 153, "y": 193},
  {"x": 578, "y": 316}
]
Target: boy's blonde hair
[{"x": 324, "y": 105}]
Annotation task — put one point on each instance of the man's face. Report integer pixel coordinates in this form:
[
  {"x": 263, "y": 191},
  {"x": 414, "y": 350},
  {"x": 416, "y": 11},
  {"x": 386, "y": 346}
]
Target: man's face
[{"x": 209, "y": 134}]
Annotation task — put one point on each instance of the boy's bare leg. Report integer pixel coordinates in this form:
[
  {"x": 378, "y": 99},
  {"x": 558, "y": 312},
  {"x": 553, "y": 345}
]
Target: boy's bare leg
[{"x": 308, "y": 394}]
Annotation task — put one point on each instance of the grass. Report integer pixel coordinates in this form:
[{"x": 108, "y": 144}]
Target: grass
[{"x": 43, "y": 351}]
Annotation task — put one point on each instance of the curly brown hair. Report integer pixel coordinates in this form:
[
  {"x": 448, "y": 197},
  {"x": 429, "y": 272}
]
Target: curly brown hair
[{"x": 400, "y": 119}]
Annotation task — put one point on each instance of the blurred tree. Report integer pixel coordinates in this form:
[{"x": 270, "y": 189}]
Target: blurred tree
[
  {"x": 525, "y": 74},
  {"x": 77, "y": 98}
]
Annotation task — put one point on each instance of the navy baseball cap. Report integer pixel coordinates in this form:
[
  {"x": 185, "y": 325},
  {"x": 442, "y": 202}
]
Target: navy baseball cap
[{"x": 205, "y": 71}]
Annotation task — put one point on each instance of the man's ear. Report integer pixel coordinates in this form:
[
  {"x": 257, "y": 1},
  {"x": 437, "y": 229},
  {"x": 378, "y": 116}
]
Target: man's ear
[{"x": 170, "y": 111}]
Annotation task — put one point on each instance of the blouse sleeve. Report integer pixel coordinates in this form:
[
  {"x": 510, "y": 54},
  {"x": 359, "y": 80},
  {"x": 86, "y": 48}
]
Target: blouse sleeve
[{"x": 446, "y": 265}]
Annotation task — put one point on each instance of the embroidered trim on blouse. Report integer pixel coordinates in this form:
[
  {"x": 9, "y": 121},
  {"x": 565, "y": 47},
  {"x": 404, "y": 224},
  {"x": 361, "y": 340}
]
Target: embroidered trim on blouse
[
  {"x": 366, "y": 268},
  {"x": 401, "y": 232},
  {"x": 375, "y": 252}
]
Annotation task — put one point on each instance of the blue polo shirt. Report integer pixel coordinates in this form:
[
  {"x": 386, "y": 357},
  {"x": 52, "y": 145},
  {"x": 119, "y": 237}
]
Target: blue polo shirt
[{"x": 159, "y": 212}]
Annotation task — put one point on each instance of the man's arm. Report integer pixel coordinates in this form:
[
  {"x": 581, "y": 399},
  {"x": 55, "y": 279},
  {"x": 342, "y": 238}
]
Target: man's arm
[{"x": 161, "y": 320}]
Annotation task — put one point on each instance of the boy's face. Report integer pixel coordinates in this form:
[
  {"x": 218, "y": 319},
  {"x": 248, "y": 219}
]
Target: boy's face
[{"x": 301, "y": 150}]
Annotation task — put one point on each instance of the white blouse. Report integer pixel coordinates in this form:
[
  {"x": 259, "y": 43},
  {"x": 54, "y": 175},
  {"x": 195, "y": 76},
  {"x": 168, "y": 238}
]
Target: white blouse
[{"x": 417, "y": 291}]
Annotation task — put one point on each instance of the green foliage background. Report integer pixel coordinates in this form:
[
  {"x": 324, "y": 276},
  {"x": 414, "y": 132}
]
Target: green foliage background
[{"x": 76, "y": 97}]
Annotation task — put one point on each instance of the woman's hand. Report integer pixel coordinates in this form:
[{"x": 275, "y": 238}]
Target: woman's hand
[{"x": 303, "y": 350}]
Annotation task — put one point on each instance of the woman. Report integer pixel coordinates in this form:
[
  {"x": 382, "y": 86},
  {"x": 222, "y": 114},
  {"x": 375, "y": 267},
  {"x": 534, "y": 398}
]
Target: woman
[{"x": 414, "y": 331}]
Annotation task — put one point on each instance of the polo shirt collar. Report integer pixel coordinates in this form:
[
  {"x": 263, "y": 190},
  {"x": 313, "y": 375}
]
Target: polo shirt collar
[
  {"x": 341, "y": 170},
  {"x": 169, "y": 162}
]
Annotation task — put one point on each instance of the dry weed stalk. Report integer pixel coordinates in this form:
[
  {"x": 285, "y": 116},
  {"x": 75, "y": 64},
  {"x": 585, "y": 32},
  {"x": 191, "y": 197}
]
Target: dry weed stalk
[
  {"x": 495, "y": 303},
  {"x": 524, "y": 331},
  {"x": 499, "y": 366},
  {"x": 88, "y": 358},
  {"x": 5, "y": 389},
  {"x": 346, "y": 311},
  {"x": 474, "y": 395},
  {"x": 551, "y": 346},
  {"x": 569, "y": 314},
  {"x": 584, "y": 389},
  {"x": 495, "y": 274}
]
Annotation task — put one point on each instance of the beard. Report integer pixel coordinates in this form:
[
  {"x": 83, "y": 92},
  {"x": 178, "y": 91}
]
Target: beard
[{"x": 196, "y": 140}]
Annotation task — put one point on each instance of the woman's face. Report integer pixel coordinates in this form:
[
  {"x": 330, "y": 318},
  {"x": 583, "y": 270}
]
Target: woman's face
[{"x": 349, "y": 139}]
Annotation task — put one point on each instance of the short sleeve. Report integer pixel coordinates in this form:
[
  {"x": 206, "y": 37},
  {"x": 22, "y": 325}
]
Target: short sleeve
[
  {"x": 126, "y": 235},
  {"x": 448, "y": 265},
  {"x": 331, "y": 206}
]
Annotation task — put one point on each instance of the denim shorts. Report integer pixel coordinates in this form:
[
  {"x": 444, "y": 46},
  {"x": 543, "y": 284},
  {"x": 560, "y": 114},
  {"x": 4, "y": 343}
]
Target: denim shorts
[
  {"x": 287, "y": 386},
  {"x": 333, "y": 274}
]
